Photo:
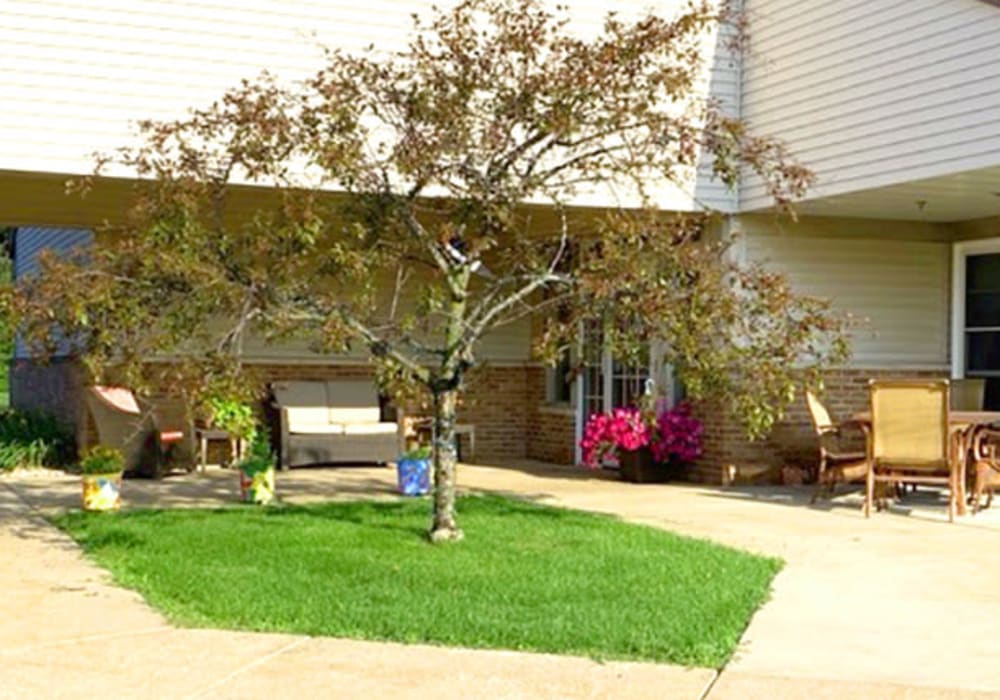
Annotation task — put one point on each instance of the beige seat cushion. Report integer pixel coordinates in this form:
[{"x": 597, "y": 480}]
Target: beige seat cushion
[
  {"x": 352, "y": 401},
  {"x": 369, "y": 428},
  {"x": 305, "y": 403},
  {"x": 305, "y": 428}
]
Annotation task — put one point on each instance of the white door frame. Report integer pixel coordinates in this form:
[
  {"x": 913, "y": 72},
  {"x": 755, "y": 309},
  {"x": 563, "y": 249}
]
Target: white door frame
[
  {"x": 661, "y": 373},
  {"x": 960, "y": 252}
]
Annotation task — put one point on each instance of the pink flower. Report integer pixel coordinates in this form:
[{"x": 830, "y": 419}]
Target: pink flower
[
  {"x": 605, "y": 433},
  {"x": 679, "y": 435}
]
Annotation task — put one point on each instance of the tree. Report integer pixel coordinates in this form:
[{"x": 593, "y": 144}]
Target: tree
[{"x": 414, "y": 202}]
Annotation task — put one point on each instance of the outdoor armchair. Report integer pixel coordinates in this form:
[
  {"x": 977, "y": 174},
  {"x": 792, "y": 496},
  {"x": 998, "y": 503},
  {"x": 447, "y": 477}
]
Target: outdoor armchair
[
  {"x": 835, "y": 463},
  {"x": 151, "y": 436},
  {"x": 910, "y": 442}
]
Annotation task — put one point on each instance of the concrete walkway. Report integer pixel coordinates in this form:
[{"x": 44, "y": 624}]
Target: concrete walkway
[{"x": 898, "y": 607}]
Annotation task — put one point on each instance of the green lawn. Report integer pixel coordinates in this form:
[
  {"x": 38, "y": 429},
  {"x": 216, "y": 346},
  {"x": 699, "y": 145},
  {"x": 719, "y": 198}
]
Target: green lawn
[{"x": 526, "y": 577}]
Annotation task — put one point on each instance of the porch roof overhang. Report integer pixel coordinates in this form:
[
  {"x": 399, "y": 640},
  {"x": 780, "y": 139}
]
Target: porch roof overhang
[{"x": 961, "y": 196}]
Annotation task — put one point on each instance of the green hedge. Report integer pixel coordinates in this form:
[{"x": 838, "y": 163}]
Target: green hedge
[{"x": 33, "y": 439}]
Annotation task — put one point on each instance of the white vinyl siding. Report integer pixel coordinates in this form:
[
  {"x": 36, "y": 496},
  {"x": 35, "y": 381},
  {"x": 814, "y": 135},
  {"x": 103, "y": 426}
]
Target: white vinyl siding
[
  {"x": 29, "y": 242},
  {"x": 897, "y": 290},
  {"x": 871, "y": 94},
  {"x": 75, "y": 75}
]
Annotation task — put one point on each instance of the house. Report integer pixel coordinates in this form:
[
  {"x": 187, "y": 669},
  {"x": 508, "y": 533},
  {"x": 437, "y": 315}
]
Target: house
[{"x": 895, "y": 106}]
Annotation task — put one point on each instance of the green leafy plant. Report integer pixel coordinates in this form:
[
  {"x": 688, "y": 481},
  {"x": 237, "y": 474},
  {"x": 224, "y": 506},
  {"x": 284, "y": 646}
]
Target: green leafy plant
[
  {"x": 259, "y": 457},
  {"x": 417, "y": 453},
  {"x": 235, "y": 417},
  {"x": 33, "y": 439},
  {"x": 101, "y": 459}
]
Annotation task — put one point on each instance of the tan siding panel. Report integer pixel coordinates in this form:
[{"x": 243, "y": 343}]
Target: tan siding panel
[
  {"x": 75, "y": 75},
  {"x": 898, "y": 289},
  {"x": 870, "y": 94}
]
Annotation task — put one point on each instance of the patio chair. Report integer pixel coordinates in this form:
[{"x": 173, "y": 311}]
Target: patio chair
[
  {"x": 910, "y": 442},
  {"x": 985, "y": 473},
  {"x": 967, "y": 394},
  {"x": 151, "y": 438},
  {"x": 835, "y": 464}
]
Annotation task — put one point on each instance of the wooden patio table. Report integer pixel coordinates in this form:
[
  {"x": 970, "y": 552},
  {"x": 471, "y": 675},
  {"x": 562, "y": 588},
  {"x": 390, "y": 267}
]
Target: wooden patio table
[{"x": 965, "y": 425}]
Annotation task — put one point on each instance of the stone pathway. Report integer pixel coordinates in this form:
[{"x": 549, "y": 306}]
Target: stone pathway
[{"x": 897, "y": 607}]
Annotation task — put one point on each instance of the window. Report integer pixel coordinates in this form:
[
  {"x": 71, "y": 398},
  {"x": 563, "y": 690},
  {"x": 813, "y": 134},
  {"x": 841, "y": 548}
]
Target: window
[{"x": 559, "y": 382}]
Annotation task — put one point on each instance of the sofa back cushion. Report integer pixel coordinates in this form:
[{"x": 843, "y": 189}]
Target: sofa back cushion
[
  {"x": 304, "y": 402},
  {"x": 352, "y": 401}
]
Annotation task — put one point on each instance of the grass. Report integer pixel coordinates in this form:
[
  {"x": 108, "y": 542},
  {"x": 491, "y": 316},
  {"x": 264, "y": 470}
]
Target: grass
[{"x": 527, "y": 577}]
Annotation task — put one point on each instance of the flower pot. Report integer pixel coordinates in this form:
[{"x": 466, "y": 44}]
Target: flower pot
[
  {"x": 102, "y": 491},
  {"x": 257, "y": 487},
  {"x": 414, "y": 476},
  {"x": 638, "y": 467}
]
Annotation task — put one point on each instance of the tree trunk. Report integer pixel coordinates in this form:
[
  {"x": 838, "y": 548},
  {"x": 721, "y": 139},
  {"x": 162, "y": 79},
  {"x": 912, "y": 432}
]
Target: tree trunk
[{"x": 444, "y": 527}]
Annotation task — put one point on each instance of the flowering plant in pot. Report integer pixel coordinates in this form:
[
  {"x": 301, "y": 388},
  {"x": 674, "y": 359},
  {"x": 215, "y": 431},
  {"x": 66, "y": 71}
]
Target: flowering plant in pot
[
  {"x": 624, "y": 434},
  {"x": 256, "y": 471},
  {"x": 678, "y": 437},
  {"x": 101, "y": 476},
  {"x": 647, "y": 447}
]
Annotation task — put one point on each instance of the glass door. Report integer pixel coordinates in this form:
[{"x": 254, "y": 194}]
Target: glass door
[
  {"x": 608, "y": 383},
  {"x": 981, "y": 333}
]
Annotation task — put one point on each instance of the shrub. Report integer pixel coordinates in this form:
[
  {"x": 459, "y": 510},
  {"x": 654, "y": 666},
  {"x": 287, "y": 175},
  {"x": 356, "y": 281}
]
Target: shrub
[
  {"x": 259, "y": 457},
  {"x": 235, "y": 417},
  {"x": 33, "y": 439},
  {"x": 101, "y": 459}
]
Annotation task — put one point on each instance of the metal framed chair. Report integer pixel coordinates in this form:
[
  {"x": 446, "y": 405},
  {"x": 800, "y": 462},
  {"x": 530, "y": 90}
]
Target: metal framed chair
[
  {"x": 835, "y": 463},
  {"x": 910, "y": 442}
]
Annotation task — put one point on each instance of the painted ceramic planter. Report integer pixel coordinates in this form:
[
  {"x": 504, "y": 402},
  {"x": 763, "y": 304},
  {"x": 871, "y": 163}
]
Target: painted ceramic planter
[
  {"x": 102, "y": 491},
  {"x": 257, "y": 488},
  {"x": 414, "y": 476}
]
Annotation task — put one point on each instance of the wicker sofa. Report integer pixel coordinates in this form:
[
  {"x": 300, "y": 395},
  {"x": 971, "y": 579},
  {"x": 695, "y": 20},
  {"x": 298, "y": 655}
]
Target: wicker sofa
[{"x": 325, "y": 422}]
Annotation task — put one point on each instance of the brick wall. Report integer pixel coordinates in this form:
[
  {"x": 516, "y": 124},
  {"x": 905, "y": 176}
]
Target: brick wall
[
  {"x": 55, "y": 388},
  {"x": 551, "y": 430},
  {"x": 792, "y": 442}
]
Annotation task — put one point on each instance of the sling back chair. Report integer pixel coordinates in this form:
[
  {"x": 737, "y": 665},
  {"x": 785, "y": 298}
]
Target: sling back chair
[{"x": 910, "y": 442}]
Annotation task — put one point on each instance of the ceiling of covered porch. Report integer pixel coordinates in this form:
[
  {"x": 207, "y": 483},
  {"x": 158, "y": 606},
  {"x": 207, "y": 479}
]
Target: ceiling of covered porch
[{"x": 972, "y": 194}]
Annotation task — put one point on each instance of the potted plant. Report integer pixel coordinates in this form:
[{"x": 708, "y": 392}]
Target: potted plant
[
  {"x": 101, "y": 475},
  {"x": 625, "y": 435},
  {"x": 648, "y": 448},
  {"x": 256, "y": 471},
  {"x": 413, "y": 469},
  {"x": 678, "y": 439}
]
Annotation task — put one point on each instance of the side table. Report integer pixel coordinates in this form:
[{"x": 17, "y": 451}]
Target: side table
[
  {"x": 422, "y": 429},
  {"x": 206, "y": 435}
]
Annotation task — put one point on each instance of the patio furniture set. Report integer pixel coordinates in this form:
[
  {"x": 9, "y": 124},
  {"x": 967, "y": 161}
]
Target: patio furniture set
[
  {"x": 319, "y": 422},
  {"x": 915, "y": 432}
]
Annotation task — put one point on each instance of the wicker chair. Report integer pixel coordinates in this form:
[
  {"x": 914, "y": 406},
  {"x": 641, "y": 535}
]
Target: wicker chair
[
  {"x": 152, "y": 438},
  {"x": 910, "y": 442},
  {"x": 835, "y": 464},
  {"x": 985, "y": 473}
]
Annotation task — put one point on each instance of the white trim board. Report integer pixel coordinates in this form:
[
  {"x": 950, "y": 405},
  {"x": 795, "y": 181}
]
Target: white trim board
[{"x": 961, "y": 251}]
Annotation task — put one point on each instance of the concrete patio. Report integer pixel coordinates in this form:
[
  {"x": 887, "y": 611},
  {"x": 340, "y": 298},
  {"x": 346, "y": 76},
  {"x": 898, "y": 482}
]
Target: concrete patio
[{"x": 904, "y": 605}]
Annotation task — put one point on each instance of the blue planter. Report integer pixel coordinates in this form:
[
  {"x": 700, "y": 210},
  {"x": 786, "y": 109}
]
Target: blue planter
[{"x": 414, "y": 476}]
